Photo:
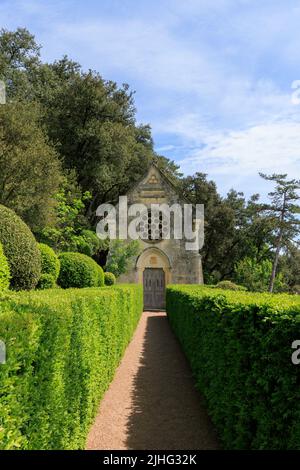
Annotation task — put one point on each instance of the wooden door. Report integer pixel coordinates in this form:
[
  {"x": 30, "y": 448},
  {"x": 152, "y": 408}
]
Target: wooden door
[{"x": 154, "y": 289}]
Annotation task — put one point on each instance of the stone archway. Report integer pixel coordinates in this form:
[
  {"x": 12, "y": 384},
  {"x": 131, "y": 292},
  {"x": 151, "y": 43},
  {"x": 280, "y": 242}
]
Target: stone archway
[{"x": 153, "y": 257}]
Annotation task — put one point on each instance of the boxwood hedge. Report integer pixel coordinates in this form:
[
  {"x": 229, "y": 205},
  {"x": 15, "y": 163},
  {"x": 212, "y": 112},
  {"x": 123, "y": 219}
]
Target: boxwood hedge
[
  {"x": 109, "y": 279},
  {"x": 46, "y": 281},
  {"x": 78, "y": 270},
  {"x": 50, "y": 261},
  {"x": 20, "y": 249},
  {"x": 239, "y": 346},
  {"x": 63, "y": 348}
]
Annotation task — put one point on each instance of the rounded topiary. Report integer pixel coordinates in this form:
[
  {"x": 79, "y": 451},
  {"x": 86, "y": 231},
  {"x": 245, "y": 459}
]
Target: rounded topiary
[
  {"x": 78, "y": 270},
  {"x": 109, "y": 279},
  {"x": 100, "y": 272},
  {"x": 4, "y": 271},
  {"x": 230, "y": 286},
  {"x": 50, "y": 261},
  {"x": 46, "y": 281},
  {"x": 20, "y": 249}
]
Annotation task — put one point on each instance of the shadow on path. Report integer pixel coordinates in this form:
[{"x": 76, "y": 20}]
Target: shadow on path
[{"x": 166, "y": 412}]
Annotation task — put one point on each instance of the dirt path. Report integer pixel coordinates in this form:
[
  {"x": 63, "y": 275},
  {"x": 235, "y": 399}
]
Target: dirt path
[{"x": 152, "y": 403}]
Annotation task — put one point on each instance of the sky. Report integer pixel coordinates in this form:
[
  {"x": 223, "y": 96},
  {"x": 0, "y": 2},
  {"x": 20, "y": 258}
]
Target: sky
[{"x": 213, "y": 78}]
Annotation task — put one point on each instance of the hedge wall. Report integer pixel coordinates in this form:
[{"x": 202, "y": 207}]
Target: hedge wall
[
  {"x": 62, "y": 351},
  {"x": 239, "y": 348}
]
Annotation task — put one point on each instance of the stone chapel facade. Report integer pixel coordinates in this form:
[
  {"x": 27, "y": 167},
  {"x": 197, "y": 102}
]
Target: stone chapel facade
[{"x": 160, "y": 261}]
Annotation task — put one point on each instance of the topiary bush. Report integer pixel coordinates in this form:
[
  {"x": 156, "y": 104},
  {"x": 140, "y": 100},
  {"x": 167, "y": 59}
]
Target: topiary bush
[
  {"x": 46, "y": 281},
  {"x": 20, "y": 249},
  {"x": 109, "y": 279},
  {"x": 230, "y": 286},
  {"x": 50, "y": 261},
  {"x": 4, "y": 271},
  {"x": 78, "y": 270}
]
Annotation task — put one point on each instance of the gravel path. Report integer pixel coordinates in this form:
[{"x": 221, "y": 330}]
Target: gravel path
[{"x": 152, "y": 403}]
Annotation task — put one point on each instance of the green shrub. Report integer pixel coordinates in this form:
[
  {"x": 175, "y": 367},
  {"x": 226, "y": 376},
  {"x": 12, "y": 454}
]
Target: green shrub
[
  {"x": 230, "y": 286},
  {"x": 20, "y": 249},
  {"x": 239, "y": 348},
  {"x": 50, "y": 261},
  {"x": 109, "y": 279},
  {"x": 4, "y": 271},
  {"x": 46, "y": 281},
  {"x": 78, "y": 270},
  {"x": 255, "y": 275},
  {"x": 63, "y": 348},
  {"x": 121, "y": 256},
  {"x": 296, "y": 289}
]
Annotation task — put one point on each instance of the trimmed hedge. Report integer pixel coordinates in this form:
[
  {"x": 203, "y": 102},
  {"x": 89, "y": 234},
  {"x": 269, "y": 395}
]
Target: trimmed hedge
[
  {"x": 50, "y": 261},
  {"x": 78, "y": 270},
  {"x": 63, "y": 348},
  {"x": 20, "y": 249},
  {"x": 109, "y": 279},
  {"x": 228, "y": 285},
  {"x": 4, "y": 271},
  {"x": 239, "y": 348}
]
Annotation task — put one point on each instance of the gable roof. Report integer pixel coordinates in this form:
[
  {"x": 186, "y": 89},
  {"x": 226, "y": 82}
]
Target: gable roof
[{"x": 164, "y": 177}]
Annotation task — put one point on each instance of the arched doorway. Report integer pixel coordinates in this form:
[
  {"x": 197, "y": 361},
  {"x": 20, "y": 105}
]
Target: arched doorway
[{"x": 154, "y": 271}]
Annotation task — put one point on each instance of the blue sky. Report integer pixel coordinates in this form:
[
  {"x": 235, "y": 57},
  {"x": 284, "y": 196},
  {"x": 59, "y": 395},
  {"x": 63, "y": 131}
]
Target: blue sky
[{"x": 212, "y": 77}]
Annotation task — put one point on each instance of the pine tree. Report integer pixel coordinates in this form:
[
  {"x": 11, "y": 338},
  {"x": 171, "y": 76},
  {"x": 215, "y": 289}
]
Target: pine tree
[{"x": 283, "y": 211}]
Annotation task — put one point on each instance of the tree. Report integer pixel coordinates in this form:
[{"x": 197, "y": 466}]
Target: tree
[
  {"x": 283, "y": 212},
  {"x": 234, "y": 228},
  {"x": 255, "y": 275},
  {"x": 289, "y": 265},
  {"x": 90, "y": 121},
  {"x": 169, "y": 168},
  {"x": 30, "y": 169},
  {"x": 69, "y": 217},
  {"x": 71, "y": 232},
  {"x": 19, "y": 54},
  {"x": 198, "y": 190},
  {"x": 121, "y": 255}
]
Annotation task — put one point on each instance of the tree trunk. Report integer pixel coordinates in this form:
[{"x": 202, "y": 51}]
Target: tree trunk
[{"x": 275, "y": 262}]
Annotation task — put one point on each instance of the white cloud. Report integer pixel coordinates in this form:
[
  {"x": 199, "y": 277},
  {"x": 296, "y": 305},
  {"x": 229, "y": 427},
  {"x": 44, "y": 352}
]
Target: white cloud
[
  {"x": 165, "y": 148},
  {"x": 230, "y": 124},
  {"x": 273, "y": 146},
  {"x": 143, "y": 51}
]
